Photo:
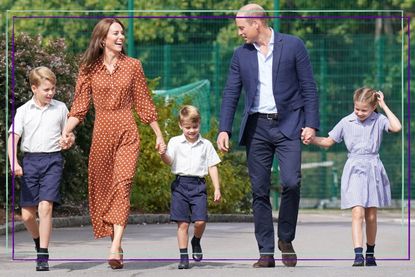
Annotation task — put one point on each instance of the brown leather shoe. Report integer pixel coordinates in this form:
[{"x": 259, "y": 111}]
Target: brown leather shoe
[
  {"x": 289, "y": 258},
  {"x": 265, "y": 261}
]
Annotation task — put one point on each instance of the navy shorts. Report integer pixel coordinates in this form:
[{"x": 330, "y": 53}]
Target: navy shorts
[
  {"x": 189, "y": 199},
  {"x": 42, "y": 174}
]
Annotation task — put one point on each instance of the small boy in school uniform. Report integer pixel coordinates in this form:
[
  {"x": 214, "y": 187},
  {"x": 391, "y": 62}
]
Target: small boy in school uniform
[
  {"x": 39, "y": 124},
  {"x": 191, "y": 158}
]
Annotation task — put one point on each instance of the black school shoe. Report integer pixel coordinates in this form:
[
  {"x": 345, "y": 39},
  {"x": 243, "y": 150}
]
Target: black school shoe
[
  {"x": 42, "y": 265},
  {"x": 42, "y": 260},
  {"x": 184, "y": 263},
  {"x": 370, "y": 261},
  {"x": 359, "y": 261},
  {"x": 197, "y": 254}
]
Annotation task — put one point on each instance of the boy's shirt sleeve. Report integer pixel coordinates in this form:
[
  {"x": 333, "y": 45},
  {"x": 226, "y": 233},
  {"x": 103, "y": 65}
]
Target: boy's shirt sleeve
[
  {"x": 212, "y": 157},
  {"x": 64, "y": 116},
  {"x": 170, "y": 149},
  {"x": 17, "y": 124},
  {"x": 337, "y": 132}
]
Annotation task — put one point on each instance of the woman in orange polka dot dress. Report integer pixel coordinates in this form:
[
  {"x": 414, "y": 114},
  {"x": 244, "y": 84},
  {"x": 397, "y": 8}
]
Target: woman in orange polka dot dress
[{"x": 116, "y": 84}]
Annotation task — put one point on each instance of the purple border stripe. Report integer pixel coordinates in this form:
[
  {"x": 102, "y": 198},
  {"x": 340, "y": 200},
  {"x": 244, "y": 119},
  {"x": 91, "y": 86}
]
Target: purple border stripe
[
  {"x": 204, "y": 259},
  {"x": 13, "y": 142},
  {"x": 409, "y": 136},
  {"x": 220, "y": 16}
]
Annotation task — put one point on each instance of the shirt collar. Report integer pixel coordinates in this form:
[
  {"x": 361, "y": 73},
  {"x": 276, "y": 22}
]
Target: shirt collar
[
  {"x": 353, "y": 117},
  {"x": 184, "y": 140},
  {"x": 33, "y": 104},
  {"x": 271, "y": 40},
  {"x": 101, "y": 65}
]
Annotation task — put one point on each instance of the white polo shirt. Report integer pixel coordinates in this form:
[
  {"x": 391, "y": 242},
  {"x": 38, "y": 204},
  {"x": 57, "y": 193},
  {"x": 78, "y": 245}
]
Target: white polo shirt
[
  {"x": 40, "y": 128},
  {"x": 191, "y": 159}
]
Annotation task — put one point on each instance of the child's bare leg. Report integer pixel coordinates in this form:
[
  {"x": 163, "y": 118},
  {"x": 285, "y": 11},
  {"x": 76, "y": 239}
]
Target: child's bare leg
[
  {"x": 199, "y": 228},
  {"x": 29, "y": 220},
  {"x": 371, "y": 225},
  {"x": 371, "y": 230},
  {"x": 183, "y": 238},
  {"x": 182, "y": 234},
  {"x": 45, "y": 222},
  {"x": 358, "y": 214}
]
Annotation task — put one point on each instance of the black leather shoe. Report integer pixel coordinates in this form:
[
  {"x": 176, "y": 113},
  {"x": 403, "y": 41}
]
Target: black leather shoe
[
  {"x": 265, "y": 261},
  {"x": 359, "y": 261},
  {"x": 370, "y": 261},
  {"x": 197, "y": 254},
  {"x": 289, "y": 258},
  {"x": 184, "y": 263},
  {"x": 42, "y": 265}
]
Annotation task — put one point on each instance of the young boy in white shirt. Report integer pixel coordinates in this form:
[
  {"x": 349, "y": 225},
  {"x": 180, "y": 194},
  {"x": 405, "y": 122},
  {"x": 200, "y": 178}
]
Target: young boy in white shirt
[
  {"x": 39, "y": 124},
  {"x": 191, "y": 158}
]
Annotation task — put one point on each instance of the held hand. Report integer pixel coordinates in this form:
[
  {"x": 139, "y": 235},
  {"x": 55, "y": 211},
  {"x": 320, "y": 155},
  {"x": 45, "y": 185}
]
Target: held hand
[
  {"x": 160, "y": 144},
  {"x": 162, "y": 149},
  {"x": 307, "y": 135},
  {"x": 217, "y": 196},
  {"x": 67, "y": 140},
  {"x": 223, "y": 141},
  {"x": 18, "y": 170}
]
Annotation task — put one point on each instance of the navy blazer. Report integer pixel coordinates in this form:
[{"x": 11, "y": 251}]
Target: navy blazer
[{"x": 295, "y": 91}]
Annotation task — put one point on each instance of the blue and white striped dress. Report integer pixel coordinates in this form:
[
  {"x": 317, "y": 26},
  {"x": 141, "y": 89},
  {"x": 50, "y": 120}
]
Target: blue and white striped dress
[{"x": 364, "y": 179}]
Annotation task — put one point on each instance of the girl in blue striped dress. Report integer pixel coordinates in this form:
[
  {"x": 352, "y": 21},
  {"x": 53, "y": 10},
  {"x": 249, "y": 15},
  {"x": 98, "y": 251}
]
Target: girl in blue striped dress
[{"x": 364, "y": 185}]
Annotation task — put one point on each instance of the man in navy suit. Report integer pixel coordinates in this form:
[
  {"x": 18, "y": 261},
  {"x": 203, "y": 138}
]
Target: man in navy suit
[{"x": 281, "y": 109}]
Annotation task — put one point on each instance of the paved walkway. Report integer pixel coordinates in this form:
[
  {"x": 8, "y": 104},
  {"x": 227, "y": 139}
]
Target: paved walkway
[{"x": 323, "y": 245}]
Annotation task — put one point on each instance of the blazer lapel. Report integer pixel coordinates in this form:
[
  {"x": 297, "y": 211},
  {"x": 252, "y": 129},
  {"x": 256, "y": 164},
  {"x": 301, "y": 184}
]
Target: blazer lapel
[
  {"x": 254, "y": 71},
  {"x": 276, "y": 58}
]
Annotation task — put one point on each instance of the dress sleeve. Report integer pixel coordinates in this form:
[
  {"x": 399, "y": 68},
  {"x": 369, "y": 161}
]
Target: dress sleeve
[
  {"x": 82, "y": 98},
  {"x": 384, "y": 123},
  {"x": 337, "y": 132},
  {"x": 143, "y": 103}
]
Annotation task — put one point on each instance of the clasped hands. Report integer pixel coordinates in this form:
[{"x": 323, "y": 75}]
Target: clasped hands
[
  {"x": 67, "y": 140},
  {"x": 307, "y": 135}
]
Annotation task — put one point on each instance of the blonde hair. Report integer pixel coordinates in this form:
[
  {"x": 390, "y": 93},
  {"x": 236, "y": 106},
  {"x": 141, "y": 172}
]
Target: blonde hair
[
  {"x": 189, "y": 113},
  {"x": 95, "y": 48},
  {"x": 38, "y": 74},
  {"x": 366, "y": 95},
  {"x": 251, "y": 12}
]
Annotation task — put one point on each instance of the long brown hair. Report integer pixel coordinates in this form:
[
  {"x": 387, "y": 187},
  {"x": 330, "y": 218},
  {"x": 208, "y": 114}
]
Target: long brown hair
[{"x": 96, "y": 48}]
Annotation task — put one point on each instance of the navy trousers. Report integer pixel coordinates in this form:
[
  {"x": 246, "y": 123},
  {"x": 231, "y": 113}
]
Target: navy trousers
[{"x": 264, "y": 140}]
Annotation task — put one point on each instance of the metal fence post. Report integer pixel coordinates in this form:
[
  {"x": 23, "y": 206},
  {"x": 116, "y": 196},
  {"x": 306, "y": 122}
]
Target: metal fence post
[
  {"x": 130, "y": 49},
  {"x": 166, "y": 65}
]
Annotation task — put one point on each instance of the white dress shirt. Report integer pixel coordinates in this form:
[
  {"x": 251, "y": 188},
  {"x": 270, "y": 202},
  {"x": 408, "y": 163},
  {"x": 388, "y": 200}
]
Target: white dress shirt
[
  {"x": 264, "y": 99},
  {"x": 191, "y": 159},
  {"x": 40, "y": 128}
]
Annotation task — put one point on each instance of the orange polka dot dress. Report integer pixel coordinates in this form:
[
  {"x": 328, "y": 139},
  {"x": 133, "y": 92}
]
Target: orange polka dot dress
[{"x": 115, "y": 140}]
